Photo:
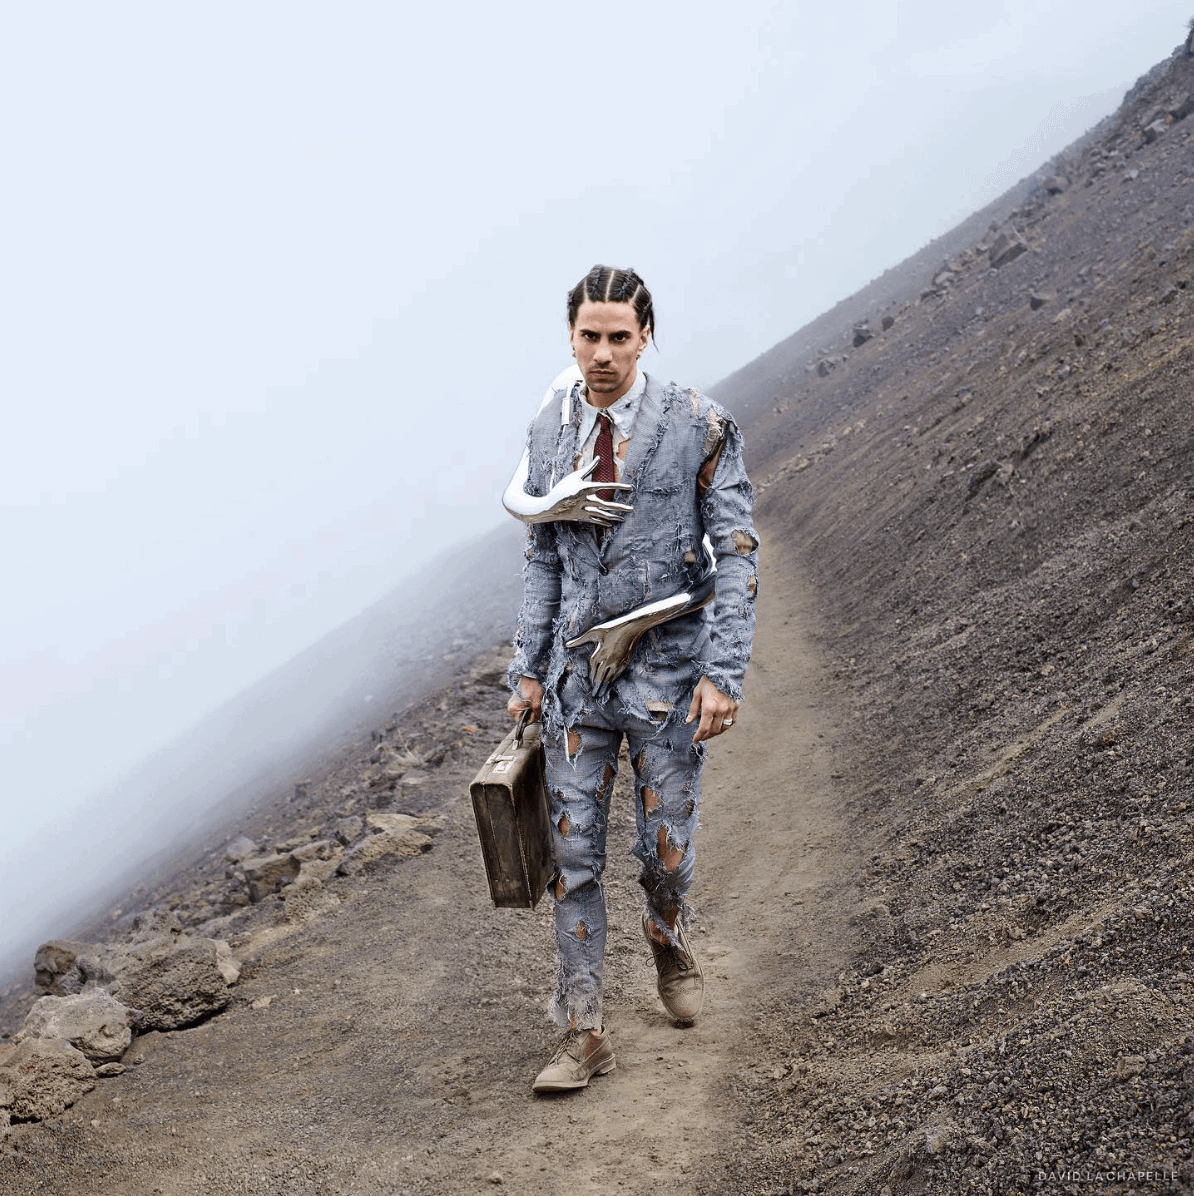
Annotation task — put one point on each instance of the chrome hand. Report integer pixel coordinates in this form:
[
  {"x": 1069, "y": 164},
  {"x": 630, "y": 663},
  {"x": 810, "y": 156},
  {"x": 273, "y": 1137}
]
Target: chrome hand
[
  {"x": 615, "y": 638},
  {"x": 573, "y": 498}
]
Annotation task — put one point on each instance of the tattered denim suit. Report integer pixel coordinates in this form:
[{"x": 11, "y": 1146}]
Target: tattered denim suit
[{"x": 576, "y": 576}]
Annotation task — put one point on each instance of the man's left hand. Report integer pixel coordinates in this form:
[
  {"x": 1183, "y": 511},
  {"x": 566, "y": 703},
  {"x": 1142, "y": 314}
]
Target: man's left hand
[{"x": 716, "y": 711}]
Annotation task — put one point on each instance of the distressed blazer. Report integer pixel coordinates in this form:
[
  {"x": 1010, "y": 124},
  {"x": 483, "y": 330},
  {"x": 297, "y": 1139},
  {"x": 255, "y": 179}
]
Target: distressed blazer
[{"x": 576, "y": 576}]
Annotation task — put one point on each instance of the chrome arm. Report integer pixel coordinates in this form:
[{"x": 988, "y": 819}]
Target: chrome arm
[
  {"x": 573, "y": 497},
  {"x": 615, "y": 638}
]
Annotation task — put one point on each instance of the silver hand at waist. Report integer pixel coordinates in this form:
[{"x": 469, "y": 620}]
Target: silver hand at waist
[
  {"x": 573, "y": 498},
  {"x": 615, "y": 638}
]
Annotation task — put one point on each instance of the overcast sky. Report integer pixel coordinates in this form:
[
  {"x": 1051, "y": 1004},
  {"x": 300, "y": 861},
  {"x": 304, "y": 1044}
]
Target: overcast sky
[{"x": 281, "y": 284}]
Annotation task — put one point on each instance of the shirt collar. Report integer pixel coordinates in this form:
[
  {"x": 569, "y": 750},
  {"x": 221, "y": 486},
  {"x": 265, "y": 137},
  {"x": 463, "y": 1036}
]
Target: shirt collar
[{"x": 622, "y": 412}]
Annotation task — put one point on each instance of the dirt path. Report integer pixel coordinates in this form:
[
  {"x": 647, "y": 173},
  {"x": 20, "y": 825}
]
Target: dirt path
[{"x": 404, "y": 1019}]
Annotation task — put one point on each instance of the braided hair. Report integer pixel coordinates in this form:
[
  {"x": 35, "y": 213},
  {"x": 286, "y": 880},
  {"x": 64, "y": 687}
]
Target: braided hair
[{"x": 607, "y": 284}]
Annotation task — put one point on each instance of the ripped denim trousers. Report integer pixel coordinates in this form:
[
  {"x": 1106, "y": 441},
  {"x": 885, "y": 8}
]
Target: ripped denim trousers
[{"x": 581, "y": 767}]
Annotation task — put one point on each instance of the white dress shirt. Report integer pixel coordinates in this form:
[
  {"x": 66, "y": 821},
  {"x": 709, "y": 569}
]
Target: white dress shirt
[{"x": 621, "y": 414}]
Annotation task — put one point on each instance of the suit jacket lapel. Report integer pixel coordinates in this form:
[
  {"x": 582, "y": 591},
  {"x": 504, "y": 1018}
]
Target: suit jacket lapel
[
  {"x": 566, "y": 441},
  {"x": 648, "y": 431}
]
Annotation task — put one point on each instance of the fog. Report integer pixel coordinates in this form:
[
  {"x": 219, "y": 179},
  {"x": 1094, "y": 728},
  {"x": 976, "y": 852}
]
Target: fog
[
  {"x": 258, "y": 745},
  {"x": 282, "y": 286}
]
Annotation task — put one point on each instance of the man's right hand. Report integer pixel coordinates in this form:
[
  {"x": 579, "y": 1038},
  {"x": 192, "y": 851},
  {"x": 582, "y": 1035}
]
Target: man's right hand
[{"x": 530, "y": 693}]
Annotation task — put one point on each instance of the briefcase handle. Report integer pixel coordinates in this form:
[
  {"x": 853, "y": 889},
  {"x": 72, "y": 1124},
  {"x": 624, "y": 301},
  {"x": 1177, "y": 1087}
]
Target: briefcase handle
[{"x": 523, "y": 719}]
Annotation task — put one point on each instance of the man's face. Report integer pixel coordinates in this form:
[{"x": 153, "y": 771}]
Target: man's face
[{"x": 608, "y": 341}]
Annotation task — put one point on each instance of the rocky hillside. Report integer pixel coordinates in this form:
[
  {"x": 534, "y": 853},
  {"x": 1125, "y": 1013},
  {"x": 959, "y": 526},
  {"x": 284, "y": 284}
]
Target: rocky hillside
[
  {"x": 967, "y": 762},
  {"x": 991, "y": 485}
]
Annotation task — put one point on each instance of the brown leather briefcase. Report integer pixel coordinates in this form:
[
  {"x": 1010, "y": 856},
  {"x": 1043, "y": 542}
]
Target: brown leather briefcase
[{"x": 511, "y": 807}]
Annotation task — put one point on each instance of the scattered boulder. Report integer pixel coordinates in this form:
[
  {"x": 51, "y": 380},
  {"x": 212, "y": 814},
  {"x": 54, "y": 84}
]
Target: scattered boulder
[
  {"x": 400, "y": 835},
  {"x": 93, "y": 1022},
  {"x": 174, "y": 982},
  {"x": 317, "y": 849},
  {"x": 1179, "y": 106},
  {"x": 1054, "y": 184},
  {"x": 167, "y": 979},
  {"x": 1006, "y": 247},
  {"x": 266, "y": 874},
  {"x": 56, "y": 966},
  {"x": 156, "y": 922},
  {"x": 316, "y": 870},
  {"x": 862, "y": 334},
  {"x": 1038, "y": 299},
  {"x": 240, "y": 849},
  {"x": 825, "y": 367},
  {"x": 227, "y": 964},
  {"x": 349, "y": 830},
  {"x": 379, "y": 822},
  {"x": 888, "y": 323},
  {"x": 1155, "y": 130},
  {"x": 41, "y": 1077}
]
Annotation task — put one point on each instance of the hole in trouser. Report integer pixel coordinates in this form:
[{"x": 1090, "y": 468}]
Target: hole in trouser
[
  {"x": 650, "y": 802},
  {"x": 582, "y": 931},
  {"x": 573, "y": 742},
  {"x": 670, "y": 857},
  {"x": 752, "y": 586},
  {"x": 608, "y": 781},
  {"x": 564, "y": 825},
  {"x": 561, "y": 890},
  {"x": 744, "y": 543}
]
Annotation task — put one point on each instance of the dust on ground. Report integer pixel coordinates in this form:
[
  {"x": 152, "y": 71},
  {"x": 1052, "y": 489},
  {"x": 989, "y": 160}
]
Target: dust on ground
[{"x": 405, "y": 1016}]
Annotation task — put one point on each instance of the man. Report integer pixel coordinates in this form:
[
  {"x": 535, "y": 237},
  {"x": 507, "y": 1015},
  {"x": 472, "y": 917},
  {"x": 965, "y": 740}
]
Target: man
[{"x": 623, "y": 481}]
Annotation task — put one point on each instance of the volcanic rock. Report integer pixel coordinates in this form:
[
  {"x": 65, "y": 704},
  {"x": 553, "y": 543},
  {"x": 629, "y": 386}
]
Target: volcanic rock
[
  {"x": 400, "y": 835},
  {"x": 174, "y": 982},
  {"x": 1007, "y": 246},
  {"x": 240, "y": 849},
  {"x": 93, "y": 1022},
  {"x": 349, "y": 830},
  {"x": 266, "y": 874},
  {"x": 41, "y": 1077},
  {"x": 55, "y": 966}
]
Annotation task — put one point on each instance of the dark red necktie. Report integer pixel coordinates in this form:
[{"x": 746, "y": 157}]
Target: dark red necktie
[{"x": 604, "y": 449}]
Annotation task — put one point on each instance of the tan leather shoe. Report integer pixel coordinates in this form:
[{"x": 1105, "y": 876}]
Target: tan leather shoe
[
  {"x": 580, "y": 1055},
  {"x": 681, "y": 982}
]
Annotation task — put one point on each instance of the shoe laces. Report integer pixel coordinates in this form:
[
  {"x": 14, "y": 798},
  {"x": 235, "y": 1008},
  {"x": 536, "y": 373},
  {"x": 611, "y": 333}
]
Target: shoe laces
[
  {"x": 668, "y": 953},
  {"x": 571, "y": 1038}
]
